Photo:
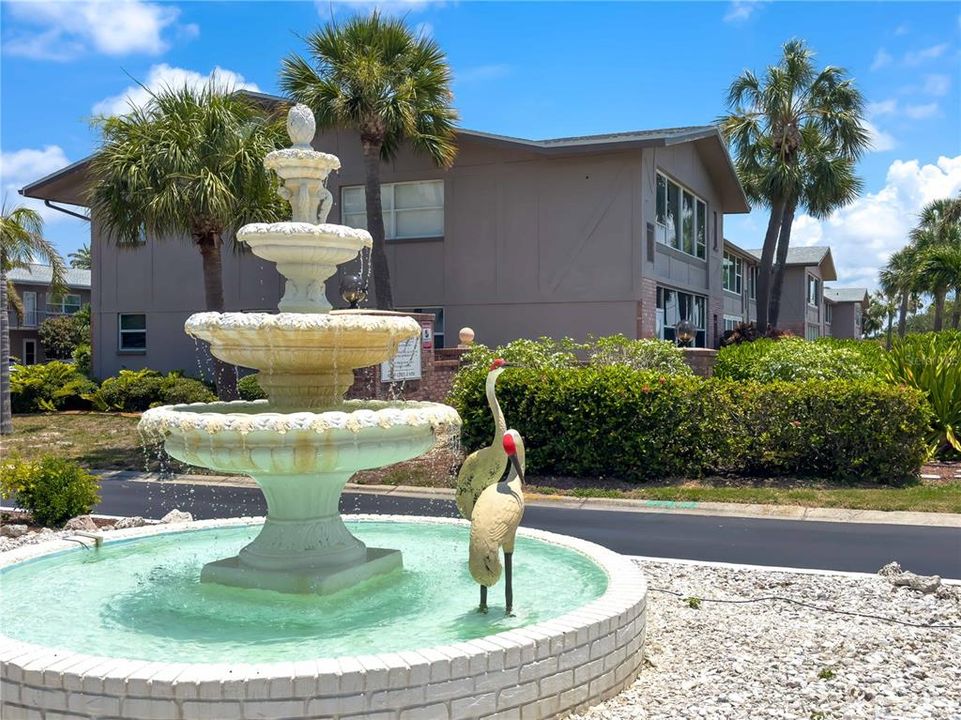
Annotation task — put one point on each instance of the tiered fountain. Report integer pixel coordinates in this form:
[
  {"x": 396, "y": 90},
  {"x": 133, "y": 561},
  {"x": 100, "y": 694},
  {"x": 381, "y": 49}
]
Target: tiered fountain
[
  {"x": 304, "y": 442},
  {"x": 306, "y": 620}
]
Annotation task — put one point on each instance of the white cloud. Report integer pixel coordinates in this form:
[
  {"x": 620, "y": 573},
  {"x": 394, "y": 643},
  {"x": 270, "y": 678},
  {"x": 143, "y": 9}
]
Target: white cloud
[
  {"x": 741, "y": 10},
  {"x": 22, "y": 167},
  {"x": 881, "y": 141},
  {"x": 864, "y": 234},
  {"x": 920, "y": 112},
  {"x": 902, "y": 29},
  {"x": 882, "y": 58},
  {"x": 482, "y": 72},
  {"x": 883, "y": 107},
  {"x": 63, "y": 30},
  {"x": 162, "y": 76},
  {"x": 930, "y": 53},
  {"x": 937, "y": 85}
]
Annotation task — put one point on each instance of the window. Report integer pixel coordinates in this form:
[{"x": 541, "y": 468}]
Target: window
[
  {"x": 30, "y": 318},
  {"x": 674, "y": 306},
  {"x": 828, "y": 312},
  {"x": 132, "y": 333},
  {"x": 681, "y": 218},
  {"x": 731, "y": 322},
  {"x": 438, "y": 313},
  {"x": 411, "y": 209},
  {"x": 752, "y": 282},
  {"x": 814, "y": 291},
  {"x": 65, "y": 305},
  {"x": 732, "y": 273}
]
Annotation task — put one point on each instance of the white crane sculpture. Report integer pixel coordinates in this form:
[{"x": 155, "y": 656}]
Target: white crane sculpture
[
  {"x": 497, "y": 514},
  {"x": 487, "y": 465}
]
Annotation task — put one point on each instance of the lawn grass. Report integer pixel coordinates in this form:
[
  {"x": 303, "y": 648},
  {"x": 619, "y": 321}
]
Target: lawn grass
[{"x": 109, "y": 441}]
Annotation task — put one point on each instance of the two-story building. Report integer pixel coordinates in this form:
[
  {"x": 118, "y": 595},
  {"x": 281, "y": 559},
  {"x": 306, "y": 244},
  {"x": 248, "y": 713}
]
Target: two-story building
[
  {"x": 602, "y": 234},
  {"x": 32, "y": 285}
]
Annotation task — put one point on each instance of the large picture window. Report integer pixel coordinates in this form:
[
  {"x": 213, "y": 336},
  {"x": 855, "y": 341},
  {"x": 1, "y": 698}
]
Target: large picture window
[
  {"x": 674, "y": 306},
  {"x": 681, "y": 218},
  {"x": 411, "y": 209},
  {"x": 732, "y": 273},
  {"x": 132, "y": 332},
  {"x": 65, "y": 305}
]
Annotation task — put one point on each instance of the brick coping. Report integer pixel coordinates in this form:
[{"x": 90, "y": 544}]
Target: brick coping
[{"x": 545, "y": 669}]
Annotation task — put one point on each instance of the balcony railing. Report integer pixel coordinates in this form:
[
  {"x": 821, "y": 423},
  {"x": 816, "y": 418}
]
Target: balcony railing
[{"x": 32, "y": 319}]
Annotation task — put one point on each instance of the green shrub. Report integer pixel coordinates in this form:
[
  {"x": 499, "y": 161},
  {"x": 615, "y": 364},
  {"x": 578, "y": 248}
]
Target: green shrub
[
  {"x": 138, "y": 390},
  {"x": 250, "y": 389},
  {"x": 647, "y": 354},
  {"x": 766, "y": 360},
  {"x": 638, "y": 425},
  {"x": 62, "y": 334},
  {"x": 931, "y": 363},
  {"x": 83, "y": 359},
  {"x": 52, "y": 489},
  {"x": 49, "y": 386}
]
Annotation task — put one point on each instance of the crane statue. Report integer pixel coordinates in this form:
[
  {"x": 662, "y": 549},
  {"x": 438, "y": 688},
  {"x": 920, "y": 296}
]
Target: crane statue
[
  {"x": 497, "y": 514},
  {"x": 487, "y": 465}
]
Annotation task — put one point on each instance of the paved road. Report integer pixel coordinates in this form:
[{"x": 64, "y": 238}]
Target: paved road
[{"x": 792, "y": 543}]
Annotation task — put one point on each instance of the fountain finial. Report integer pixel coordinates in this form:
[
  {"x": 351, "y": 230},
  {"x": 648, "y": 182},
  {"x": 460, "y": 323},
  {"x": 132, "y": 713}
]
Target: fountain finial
[{"x": 301, "y": 126}]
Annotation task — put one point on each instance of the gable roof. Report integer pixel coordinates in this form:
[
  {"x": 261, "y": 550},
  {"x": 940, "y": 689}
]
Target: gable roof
[
  {"x": 37, "y": 274},
  {"x": 809, "y": 256},
  {"x": 64, "y": 185},
  {"x": 852, "y": 294}
]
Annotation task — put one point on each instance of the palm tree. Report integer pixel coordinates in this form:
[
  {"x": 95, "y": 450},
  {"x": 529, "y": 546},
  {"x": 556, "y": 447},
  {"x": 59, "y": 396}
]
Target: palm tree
[
  {"x": 188, "y": 164},
  {"x": 373, "y": 75},
  {"x": 796, "y": 135},
  {"x": 940, "y": 270},
  {"x": 21, "y": 242},
  {"x": 81, "y": 258},
  {"x": 899, "y": 278},
  {"x": 938, "y": 239}
]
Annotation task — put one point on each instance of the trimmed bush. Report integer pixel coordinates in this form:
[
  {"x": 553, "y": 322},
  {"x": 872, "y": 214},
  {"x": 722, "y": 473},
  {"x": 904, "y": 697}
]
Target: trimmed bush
[
  {"x": 646, "y": 354},
  {"x": 49, "y": 386},
  {"x": 250, "y": 389},
  {"x": 766, "y": 360},
  {"x": 62, "y": 334},
  {"x": 639, "y": 425},
  {"x": 138, "y": 390},
  {"x": 52, "y": 489}
]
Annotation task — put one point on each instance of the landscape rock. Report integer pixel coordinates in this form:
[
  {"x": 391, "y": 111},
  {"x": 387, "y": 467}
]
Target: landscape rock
[
  {"x": 81, "y": 522},
  {"x": 14, "y": 530},
  {"x": 130, "y": 522},
  {"x": 177, "y": 516},
  {"x": 898, "y": 577}
]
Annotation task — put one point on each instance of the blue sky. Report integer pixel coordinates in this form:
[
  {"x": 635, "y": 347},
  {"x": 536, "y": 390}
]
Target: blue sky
[{"x": 531, "y": 69}]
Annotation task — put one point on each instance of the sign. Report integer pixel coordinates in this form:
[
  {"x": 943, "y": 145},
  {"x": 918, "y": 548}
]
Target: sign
[
  {"x": 427, "y": 334},
  {"x": 405, "y": 365}
]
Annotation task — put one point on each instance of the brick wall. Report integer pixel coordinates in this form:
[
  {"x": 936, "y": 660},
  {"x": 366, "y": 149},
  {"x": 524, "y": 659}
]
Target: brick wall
[
  {"x": 647, "y": 309},
  {"x": 701, "y": 360}
]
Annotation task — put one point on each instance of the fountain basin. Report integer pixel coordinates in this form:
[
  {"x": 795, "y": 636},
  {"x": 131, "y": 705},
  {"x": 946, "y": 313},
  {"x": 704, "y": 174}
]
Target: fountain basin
[
  {"x": 306, "y": 360},
  {"x": 550, "y": 659}
]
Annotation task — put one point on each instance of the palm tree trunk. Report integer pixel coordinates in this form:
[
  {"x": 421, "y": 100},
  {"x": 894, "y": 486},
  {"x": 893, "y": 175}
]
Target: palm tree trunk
[
  {"x": 6, "y": 413},
  {"x": 210, "y": 244},
  {"x": 887, "y": 342},
  {"x": 780, "y": 262},
  {"x": 939, "y": 294},
  {"x": 383, "y": 297},
  {"x": 764, "y": 268},
  {"x": 956, "y": 310},
  {"x": 903, "y": 314}
]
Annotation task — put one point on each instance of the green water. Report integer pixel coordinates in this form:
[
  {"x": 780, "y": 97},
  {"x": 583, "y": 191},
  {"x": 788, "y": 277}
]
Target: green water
[{"x": 142, "y": 599}]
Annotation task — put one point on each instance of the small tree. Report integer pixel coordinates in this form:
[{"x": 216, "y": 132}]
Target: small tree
[{"x": 61, "y": 335}]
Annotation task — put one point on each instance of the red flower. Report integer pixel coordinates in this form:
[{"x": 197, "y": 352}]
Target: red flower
[{"x": 646, "y": 388}]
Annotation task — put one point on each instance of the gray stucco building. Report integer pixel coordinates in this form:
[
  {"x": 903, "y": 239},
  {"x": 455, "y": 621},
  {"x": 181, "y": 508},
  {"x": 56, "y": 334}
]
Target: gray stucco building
[{"x": 597, "y": 235}]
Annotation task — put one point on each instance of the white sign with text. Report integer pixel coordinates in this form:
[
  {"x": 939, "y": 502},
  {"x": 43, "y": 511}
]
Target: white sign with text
[{"x": 405, "y": 365}]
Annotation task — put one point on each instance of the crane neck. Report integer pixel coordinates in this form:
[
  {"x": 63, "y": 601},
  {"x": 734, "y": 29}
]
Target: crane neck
[{"x": 500, "y": 424}]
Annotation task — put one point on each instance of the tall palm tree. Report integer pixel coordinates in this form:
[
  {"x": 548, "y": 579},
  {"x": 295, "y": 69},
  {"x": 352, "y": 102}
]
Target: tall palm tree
[
  {"x": 21, "y": 242},
  {"x": 786, "y": 129},
  {"x": 900, "y": 278},
  {"x": 81, "y": 258},
  {"x": 938, "y": 238},
  {"x": 375, "y": 76},
  {"x": 188, "y": 164},
  {"x": 941, "y": 270}
]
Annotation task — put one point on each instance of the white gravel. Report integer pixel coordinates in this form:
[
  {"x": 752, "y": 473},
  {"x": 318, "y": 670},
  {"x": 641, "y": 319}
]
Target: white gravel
[{"x": 777, "y": 660}]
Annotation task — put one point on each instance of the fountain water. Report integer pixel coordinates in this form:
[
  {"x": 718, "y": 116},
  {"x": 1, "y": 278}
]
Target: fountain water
[
  {"x": 303, "y": 443},
  {"x": 127, "y": 631}
]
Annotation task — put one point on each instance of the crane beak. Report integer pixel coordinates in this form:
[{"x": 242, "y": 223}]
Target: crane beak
[{"x": 517, "y": 468}]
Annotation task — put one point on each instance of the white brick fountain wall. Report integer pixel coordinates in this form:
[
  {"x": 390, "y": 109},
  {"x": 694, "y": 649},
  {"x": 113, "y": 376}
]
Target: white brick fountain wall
[{"x": 541, "y": 671}]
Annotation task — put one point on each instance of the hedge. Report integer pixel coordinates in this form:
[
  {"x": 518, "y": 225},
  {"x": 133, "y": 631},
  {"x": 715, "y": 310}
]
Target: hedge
[
  {"x": 640, "y": 425},
  {"x": 767, "y": 360},
  {"x": 137, "y": 390}
]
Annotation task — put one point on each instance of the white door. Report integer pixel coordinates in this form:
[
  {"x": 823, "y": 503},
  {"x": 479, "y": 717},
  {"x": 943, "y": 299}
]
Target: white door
[
  {"x": 29, "y": 352},
  {"x": 30, "y": 309}
]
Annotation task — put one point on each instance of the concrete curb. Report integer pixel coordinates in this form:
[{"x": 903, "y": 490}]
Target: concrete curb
[{"x": 713, "y": 509}]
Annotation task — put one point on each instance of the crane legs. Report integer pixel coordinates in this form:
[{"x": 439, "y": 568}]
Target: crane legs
[{"x": 508, "y": 587}]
